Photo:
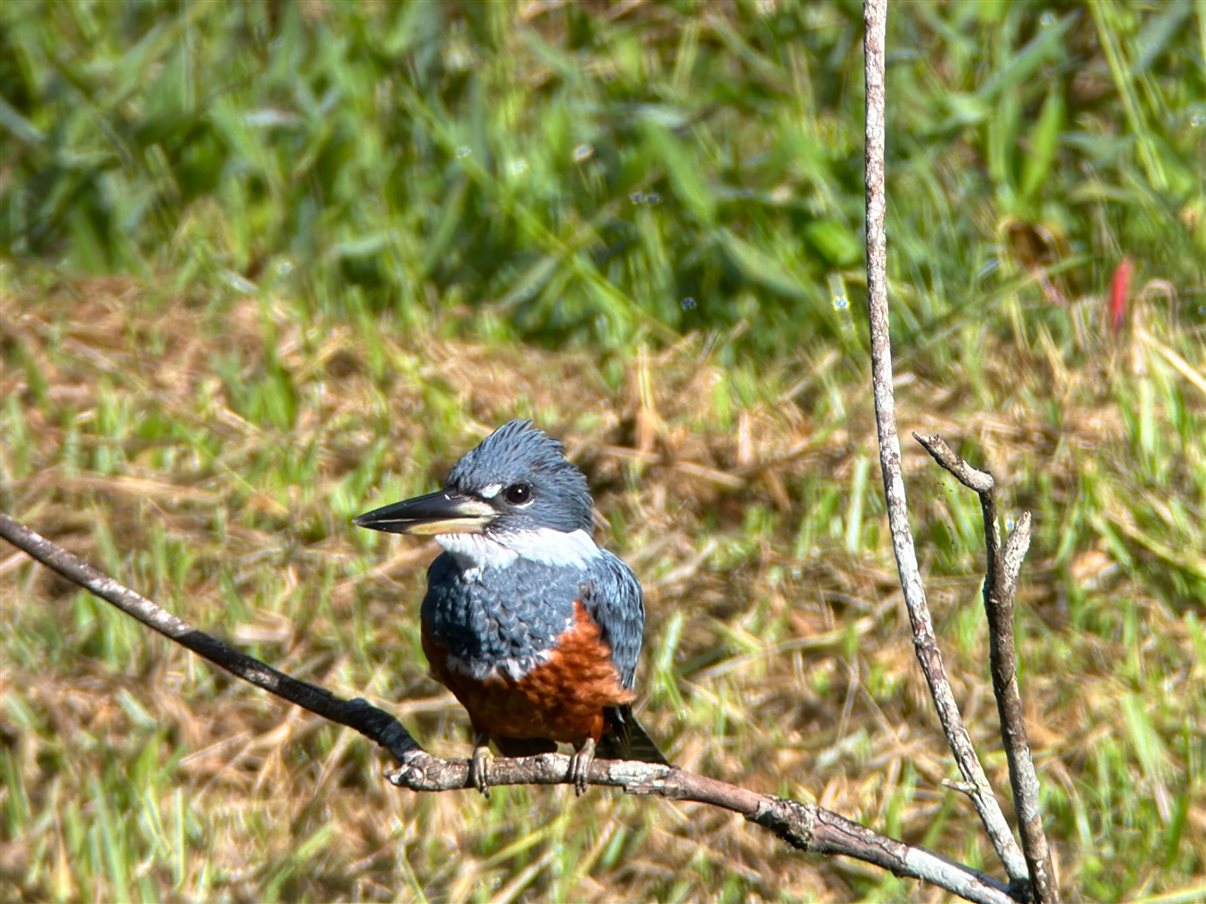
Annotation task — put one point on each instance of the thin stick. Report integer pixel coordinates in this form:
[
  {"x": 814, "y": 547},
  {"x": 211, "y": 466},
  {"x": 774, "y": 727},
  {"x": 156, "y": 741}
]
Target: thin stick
[
  {"x": 875, "y": 17},
  {"x": 805, "y": 827},
  {"x": 1000, "y": 591},
  {"x": 371, "y": 722}
]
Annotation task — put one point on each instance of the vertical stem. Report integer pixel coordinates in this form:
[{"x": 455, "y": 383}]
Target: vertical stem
[
  {"x": 1000, "y": 590},
  {"x": 928, "y": 654}
]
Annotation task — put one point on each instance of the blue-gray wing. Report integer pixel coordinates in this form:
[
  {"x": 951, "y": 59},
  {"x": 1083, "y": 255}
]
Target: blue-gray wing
[{"x": 612, "y": 596}]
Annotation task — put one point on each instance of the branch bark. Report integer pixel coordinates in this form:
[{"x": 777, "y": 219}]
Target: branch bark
[
  {"x": 371, "y": 722},
  {"x": 928, "y": 654},
  {"x": 806, "y": 827},
  {"x": 1000, "y": 591}
]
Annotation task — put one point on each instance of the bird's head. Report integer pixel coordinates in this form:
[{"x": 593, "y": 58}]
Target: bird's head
[{"x": 516, "y": 480}]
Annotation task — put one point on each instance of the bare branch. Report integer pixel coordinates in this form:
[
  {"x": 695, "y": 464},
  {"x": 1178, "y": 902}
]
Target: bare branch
[
  {"x": 1000, "y": 590},
  {"x": 371, "y": 722},
  {"x": 805, "y": 827},
  {"x": 972, "y": 478},
  {"x": 875, "y": 19},
  {"x": 1016, "y": 548}
]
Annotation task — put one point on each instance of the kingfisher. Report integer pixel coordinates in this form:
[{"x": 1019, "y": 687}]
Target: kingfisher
[{"x": 534, "y": 628}]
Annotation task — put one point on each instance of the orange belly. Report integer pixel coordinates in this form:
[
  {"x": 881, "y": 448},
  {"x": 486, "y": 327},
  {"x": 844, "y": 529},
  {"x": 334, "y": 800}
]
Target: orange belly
[{"x": 562, "y": 699}]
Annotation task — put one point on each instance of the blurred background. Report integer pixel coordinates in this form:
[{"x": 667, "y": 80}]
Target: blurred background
[{"x": 267, "y": 265}]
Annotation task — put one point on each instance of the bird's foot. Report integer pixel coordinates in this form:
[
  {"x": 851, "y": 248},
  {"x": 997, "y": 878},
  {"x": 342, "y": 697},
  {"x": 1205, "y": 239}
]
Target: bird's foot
[
  {"x": 580, "y": 762},
  {"x": 479, "y": 768}
]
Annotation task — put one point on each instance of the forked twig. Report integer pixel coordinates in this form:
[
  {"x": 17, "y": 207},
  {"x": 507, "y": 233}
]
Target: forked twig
[
  {"x": 928, "y": 654},
  {"x": 1000, "y": 590},
  {"x": 805, "y": 827}
]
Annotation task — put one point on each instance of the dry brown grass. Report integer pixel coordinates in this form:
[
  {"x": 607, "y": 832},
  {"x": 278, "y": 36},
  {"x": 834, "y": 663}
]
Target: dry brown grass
[{"x": 784, "y": 662}]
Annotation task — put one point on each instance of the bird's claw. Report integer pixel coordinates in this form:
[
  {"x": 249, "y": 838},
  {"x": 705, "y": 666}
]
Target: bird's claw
[
  {"x": 479, "y": 769},
  {"x": 579, "y": 771}
]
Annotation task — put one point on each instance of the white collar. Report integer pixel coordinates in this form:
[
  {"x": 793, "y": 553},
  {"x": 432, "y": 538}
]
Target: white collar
[{"x": 543, "y": 545}]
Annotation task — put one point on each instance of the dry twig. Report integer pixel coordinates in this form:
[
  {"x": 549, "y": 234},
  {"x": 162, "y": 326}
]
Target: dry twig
[
  {"x": 358, "y": 714},
  {"x": 1000, "y": 589}
]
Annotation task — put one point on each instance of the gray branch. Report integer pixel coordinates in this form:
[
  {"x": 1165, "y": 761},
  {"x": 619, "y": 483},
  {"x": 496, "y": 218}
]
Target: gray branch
[
  {"x": 371, "y": 722},
  {"x": 806, "y": 827},
  {"x": 1000, "y": 591},
  {"x": 928, "y": 654}
]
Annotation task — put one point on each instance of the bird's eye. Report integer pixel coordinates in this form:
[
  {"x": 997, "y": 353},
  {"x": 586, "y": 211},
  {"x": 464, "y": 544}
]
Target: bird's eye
[{"x": 518, "y": 493}]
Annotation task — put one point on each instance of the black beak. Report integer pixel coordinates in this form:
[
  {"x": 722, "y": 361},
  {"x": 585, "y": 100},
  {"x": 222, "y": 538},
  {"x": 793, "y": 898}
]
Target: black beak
[{"x": 435, "y": 513}]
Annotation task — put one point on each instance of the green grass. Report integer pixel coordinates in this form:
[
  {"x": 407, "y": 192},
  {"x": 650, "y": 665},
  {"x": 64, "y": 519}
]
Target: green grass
[{"x": 266, "y": 266}]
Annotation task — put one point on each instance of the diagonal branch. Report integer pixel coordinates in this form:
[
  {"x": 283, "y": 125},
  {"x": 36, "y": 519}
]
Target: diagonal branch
[
  {"x": 371, "y": 722},
  {"x": 806, "y": 827},
  {"x": 1000, "y": 590},
  {"x": 875, "y": 17}
]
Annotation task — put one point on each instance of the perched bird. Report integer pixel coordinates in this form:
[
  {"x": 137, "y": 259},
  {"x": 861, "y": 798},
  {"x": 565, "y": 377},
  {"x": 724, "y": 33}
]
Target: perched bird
[{"x": 534, "y": 628}]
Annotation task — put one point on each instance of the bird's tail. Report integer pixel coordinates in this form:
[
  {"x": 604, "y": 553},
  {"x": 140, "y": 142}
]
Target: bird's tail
[{"x": 627, "y": 740}]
